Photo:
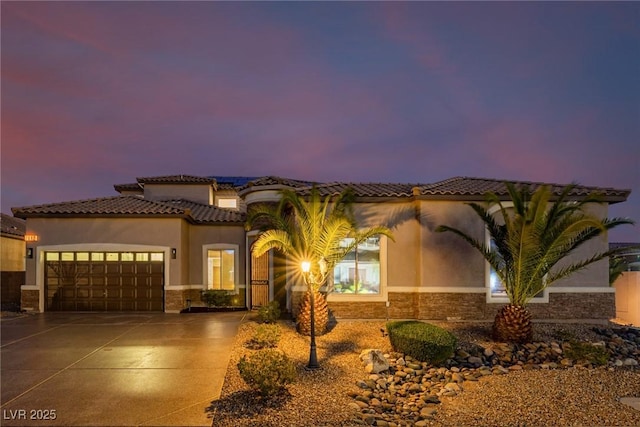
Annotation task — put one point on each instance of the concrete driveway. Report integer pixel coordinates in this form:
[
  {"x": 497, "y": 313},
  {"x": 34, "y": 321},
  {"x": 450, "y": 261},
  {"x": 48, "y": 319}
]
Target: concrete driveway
[{"x": 90, "y": 369}]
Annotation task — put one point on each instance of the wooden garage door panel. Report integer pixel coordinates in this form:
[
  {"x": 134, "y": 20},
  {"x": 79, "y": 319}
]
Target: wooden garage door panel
[{"x": 105, "y": 285}]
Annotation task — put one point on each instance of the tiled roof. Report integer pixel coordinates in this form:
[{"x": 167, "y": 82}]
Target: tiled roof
[
  {"x": 11, "y": 226},
  {"x": 233, "y": 181},
  {"x": 134, "y": 206},
  {"x": 465, "y": 186},
  {"x": 276, "y": 180},
  {"x": 108, "y": 206},
  {"x": 134, "y": 186},
  {"x": 177, "y": 179},
  {"x": 362, "y": 189},
  {"x": 207, "y": 213}
]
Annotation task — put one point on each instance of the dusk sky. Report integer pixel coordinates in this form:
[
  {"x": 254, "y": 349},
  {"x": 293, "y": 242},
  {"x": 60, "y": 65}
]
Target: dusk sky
[{"x": 99, "y": 93}]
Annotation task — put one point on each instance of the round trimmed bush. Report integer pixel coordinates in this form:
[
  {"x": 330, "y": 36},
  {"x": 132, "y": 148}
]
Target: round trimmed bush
[{"x": 422, "y": 341}]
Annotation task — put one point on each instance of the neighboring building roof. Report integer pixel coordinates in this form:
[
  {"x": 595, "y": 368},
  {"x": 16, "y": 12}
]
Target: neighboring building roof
[
  {"x": 12, "y": 227},
  {"x": 465, "y": 186},
  {"x": 633, "y": 247}
]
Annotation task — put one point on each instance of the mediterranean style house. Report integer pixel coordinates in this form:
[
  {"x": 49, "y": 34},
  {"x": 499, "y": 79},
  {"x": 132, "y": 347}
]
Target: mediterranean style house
[{"x": 163, "y": 240}]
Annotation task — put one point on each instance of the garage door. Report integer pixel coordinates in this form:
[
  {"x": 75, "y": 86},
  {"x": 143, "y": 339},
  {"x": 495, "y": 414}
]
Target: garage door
[{"x": 104, "y": 281}]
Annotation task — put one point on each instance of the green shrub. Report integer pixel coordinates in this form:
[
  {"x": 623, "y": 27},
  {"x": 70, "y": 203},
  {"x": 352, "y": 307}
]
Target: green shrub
[
  {"x": 216, "y": 298},
  {"x": 421, "y": 341},
  {"x": 267, "y": 371},
  {"x": 265, "y": 336},
  {"x": 269, "y": 313},
  {"x": 580, "y": 350}
]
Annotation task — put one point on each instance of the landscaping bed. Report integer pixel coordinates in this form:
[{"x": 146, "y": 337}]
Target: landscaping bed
[
  {"x": 211, "y": 309},
  {"x": 509, "y": 385}
]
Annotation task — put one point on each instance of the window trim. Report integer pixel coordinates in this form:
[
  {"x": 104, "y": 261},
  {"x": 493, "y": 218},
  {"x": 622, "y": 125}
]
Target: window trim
[
  {"x": 490, "y": 298},
  {"x": 382, "y": 295},
  {"x": 236, "y": 264}
]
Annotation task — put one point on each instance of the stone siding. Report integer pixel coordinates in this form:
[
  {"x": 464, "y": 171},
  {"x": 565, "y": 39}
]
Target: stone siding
[
  {"x": 30, "y": 300},
  {"x": 175, "y": 300},
  {"x": 471, "y": 306}
]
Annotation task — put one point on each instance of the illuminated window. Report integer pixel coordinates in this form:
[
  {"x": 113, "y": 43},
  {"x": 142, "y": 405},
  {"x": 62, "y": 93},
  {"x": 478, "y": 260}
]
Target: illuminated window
[
  {"x": 221, "y": 269},
  {"x": 126, "y": 256},
  {"x": 227, "y": 202},
  {"x": 157, "y": 256},
  {"x": 142, "y": 256},
  {"x": 82, "y": 256},
  {"x": 97, "y": 256},
  {"x": 359, "y": 271},
  {"x": 112, "y": 256},
  {"x": 66, "y": 256},
  {"x": 52, "y": 256}
]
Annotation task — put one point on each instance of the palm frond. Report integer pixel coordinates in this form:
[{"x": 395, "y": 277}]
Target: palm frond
[{"x": 536, "y": 234}]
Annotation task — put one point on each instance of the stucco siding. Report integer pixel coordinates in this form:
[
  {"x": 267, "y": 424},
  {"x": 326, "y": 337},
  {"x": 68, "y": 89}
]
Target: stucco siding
[
  {"x": 110, "y": 232},
  {"x": 202, "y": 235}
]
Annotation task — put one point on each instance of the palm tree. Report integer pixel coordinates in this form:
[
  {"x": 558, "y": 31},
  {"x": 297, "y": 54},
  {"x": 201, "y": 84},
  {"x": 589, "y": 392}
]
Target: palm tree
[
  {"x": 314, "y": 230},
  {"x": 528, "y": 244}
]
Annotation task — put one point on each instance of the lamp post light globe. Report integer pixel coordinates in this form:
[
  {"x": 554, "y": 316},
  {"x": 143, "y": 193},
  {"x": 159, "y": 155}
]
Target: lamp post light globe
[{"x": 306, "y": 266}]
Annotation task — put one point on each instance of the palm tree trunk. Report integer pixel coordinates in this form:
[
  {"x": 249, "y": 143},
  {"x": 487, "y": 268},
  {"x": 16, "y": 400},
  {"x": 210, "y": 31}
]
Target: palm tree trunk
[
  {"x": 513, "y": 324},
  {"x": 321, "y": 314}
]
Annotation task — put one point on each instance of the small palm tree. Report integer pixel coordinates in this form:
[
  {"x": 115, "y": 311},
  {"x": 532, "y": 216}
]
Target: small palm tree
[
  {"x": 312, "y": 230},
  {"x": 529, "y": 243}
]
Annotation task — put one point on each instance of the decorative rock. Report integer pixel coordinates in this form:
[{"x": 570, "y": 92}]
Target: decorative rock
[
  {"x": 428, "y": 411},
  {"x": 476, "y": 361},
  {"x": 453, "y": 387},
  {"x": 374, "y": 361},
  {"x": 408, "y": 392}
]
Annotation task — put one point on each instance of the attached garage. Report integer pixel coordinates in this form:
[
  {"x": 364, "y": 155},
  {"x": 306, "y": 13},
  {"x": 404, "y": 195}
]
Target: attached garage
[{"x": 104, "y": 281}]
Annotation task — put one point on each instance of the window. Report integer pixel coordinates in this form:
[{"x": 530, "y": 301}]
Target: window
[
  {"x": 359, "y": 271},
  {"x": 496, "y": 287},
  {"x": 227, "y": 202},
  {"x": 221, "y": 271}
]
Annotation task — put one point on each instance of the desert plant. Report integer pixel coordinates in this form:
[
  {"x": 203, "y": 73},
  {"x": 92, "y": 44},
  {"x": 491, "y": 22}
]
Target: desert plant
[
  {"x": 530, "y": 241},
  {"x": 269, "y": 313},
  {"x": 580, "y": 350},
  {"x": 267, "y": 371},
  {"x": 313, "y": 230},
  {"x": 266, "y": 335},
  {"x": 216, "y": 298},
  {"x": 422, "y": 341}
]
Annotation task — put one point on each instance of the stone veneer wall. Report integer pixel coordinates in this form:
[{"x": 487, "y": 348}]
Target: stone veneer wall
[
  {"x": 470, "y": 306},
  {"x": 30, "y": 300}
]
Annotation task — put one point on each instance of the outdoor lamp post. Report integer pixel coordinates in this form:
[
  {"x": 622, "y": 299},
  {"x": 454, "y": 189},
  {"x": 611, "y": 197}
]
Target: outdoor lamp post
[{"x": 308, "y": 279}]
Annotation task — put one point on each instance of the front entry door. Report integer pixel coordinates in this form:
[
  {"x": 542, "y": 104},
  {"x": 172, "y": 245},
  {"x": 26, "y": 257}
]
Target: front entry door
[{"x": 259, "y": 280}]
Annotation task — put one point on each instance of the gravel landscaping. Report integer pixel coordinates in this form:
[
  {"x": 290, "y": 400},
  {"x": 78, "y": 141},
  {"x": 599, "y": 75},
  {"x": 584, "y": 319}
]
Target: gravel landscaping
[{"x": 485, "y": 384}]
